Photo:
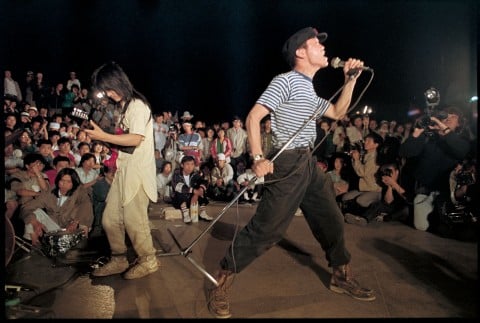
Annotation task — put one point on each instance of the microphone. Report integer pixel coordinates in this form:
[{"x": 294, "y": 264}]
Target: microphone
[{"x": 336, "y": 62}]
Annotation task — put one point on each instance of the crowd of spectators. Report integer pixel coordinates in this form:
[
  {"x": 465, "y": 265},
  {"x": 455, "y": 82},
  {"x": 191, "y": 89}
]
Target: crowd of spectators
[{"x": 424, "y": 176}]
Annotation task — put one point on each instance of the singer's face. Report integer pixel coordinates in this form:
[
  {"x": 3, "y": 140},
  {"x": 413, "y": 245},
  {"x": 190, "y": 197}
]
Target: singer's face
[{"x": 316, "y": 52}]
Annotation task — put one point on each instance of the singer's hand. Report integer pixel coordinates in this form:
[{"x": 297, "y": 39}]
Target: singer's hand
[
  {"x": 96, "y": 133},
  {"x": 355, "y": 65},
  {"x": 262, "y": 167}
]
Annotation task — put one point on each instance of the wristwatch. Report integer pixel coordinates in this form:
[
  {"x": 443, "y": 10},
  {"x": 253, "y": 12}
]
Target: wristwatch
[{"x": 257, "y": 157}]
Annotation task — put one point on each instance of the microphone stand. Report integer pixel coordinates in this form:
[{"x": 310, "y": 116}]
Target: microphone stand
[{"x": 186, "y": 251}]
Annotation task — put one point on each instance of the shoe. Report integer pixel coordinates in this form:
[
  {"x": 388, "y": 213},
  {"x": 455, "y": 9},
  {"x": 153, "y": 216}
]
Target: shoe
[
  {"x": 218, "y": 303},
  {"x": 116, "y": 265},
  {"x": 379, "y": 218},
  {"x": 186, "y": 216},
  {"x": 204, "y": 216},
  {"x": 145, "y": 266},
  {"x": 355, "y": 219},
  {"x": 342, "y": 282}
]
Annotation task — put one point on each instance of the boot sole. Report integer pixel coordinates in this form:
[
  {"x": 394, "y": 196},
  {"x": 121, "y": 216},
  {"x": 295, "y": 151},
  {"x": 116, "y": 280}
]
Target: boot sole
[
  {"x": 219, "y": 316},
  {"x": 109, "y": 274},
  {"x": 339, "y": 290}
]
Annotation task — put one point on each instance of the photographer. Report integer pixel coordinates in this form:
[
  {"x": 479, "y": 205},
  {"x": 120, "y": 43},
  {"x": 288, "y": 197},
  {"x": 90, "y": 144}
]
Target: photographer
[
  {"x": 436, "y": 148},
  {"x": 171, "y": 148},
  {"x": 393, "y": 205},
  {"x": 355, "y": 201}
]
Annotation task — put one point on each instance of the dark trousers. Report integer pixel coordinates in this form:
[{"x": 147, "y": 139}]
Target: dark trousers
[
  {"x": 300, "y": 184},
  {"x": 180, "y": 198}
]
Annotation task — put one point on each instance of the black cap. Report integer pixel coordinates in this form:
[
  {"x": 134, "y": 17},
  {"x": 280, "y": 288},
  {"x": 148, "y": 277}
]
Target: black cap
[{"x": 297, "y": 39}]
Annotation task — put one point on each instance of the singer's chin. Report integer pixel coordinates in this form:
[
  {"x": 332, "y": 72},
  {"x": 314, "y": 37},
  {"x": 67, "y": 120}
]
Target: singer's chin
[{"x": 325, "y": 61}]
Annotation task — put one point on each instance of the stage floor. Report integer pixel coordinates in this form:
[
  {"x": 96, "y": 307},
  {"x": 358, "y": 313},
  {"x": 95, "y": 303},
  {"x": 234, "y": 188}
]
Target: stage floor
[{"x": 415, "y": 275}]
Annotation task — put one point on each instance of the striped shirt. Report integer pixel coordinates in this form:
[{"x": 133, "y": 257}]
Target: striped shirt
[{"x": 292, "y": 101}]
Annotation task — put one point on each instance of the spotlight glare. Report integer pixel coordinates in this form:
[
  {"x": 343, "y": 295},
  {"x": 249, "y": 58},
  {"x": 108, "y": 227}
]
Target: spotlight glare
[{"x": 432, "y": 96}]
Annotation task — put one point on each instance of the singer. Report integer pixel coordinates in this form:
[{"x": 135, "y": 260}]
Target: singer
[{"x": 296, "y": 181}]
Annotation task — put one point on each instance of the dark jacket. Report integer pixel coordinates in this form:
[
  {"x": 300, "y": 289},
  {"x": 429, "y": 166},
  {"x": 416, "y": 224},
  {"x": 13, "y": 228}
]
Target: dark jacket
[{"x": 436, "y": 157}]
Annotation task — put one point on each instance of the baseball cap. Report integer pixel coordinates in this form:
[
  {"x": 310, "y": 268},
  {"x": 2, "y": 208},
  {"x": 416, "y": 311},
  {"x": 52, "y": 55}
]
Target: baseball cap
[
  {"x": 297, "y": 39},
  {"x": 54, "y": 125}
]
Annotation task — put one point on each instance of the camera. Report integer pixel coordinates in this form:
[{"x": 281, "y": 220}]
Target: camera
[
  {"x": 465, "y": 178},
  {"x": 358, "y": 146},
  {"x": 172, "y": 130},
  {"x": 385, "y": 172},
  {"x": 425, "y": 121}
]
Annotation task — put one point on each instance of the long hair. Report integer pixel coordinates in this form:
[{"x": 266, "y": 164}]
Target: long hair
[
  {"x": 111, "y": 77},
  {"x": 73, "y": 175}
]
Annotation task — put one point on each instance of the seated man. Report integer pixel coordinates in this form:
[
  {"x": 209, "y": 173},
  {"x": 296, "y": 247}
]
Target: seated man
[
  {"x": 368, "y": 189},
  {"x": 254, "y": 190},
  {"x": 67, "y": 206},
  {"x": 223, "y": 185},
  {"x": 188, "y": 191}
]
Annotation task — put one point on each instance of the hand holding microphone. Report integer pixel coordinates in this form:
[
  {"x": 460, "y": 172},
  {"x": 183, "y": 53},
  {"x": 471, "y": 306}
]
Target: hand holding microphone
[{"x": 355, "y": 66}]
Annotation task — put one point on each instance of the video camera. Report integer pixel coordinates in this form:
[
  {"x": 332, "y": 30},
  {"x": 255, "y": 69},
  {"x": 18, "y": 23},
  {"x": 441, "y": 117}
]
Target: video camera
[{"x": 432, "y": 98}]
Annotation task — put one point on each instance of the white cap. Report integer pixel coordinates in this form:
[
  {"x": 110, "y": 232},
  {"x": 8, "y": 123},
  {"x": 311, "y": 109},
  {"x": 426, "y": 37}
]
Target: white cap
[
  {"x": 54, "y": 125},
  {"x": 221, "y": 156}
]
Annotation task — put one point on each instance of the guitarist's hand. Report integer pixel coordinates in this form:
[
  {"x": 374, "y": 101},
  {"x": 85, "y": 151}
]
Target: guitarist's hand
[{"x": 95, "y": 133}]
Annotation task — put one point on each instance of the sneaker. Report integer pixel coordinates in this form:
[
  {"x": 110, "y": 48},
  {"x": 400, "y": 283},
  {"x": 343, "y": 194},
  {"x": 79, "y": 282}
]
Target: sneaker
[
  {"x": 204, "y": 216},
  {"x": 379, "y": 218},
  {"x": 116, "y": 265},
  {"x": 355, "y": 219},
  {"x": 218, "y": 303},
  {"x": 342, "y": 282},
  {"x": 186, "y": 216},
  {"x": 145, "y": 266}
]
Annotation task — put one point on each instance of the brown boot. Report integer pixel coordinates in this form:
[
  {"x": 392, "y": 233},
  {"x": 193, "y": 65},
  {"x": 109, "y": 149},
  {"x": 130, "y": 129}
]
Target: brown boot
[
  {"x": 343, "y": 282},
  {"x": 218, "y": 303}
]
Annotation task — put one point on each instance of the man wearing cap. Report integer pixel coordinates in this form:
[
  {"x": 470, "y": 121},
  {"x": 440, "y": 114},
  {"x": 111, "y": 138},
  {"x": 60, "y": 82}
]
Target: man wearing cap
[
  {"x": 190, "y": 143},
  {"x": 223, "y": 184},
  {"x": 24, "y": 120},
  {"x": 290, "y": 99},
  {"x": 186, "y": 116},
  {"x": 33, "y": 112}
]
